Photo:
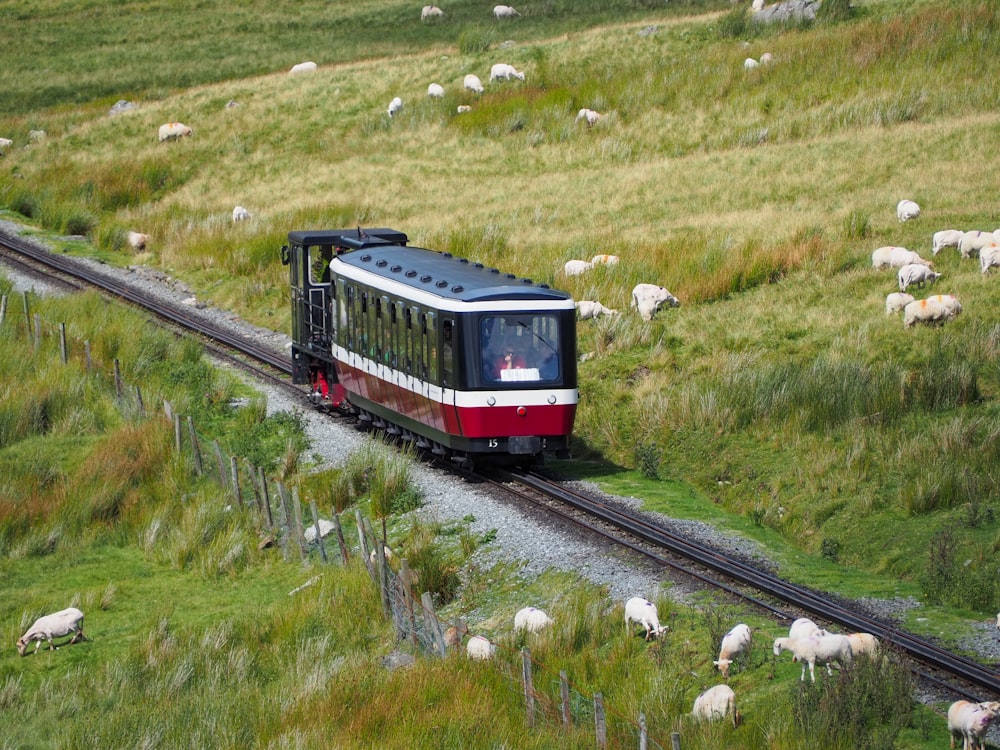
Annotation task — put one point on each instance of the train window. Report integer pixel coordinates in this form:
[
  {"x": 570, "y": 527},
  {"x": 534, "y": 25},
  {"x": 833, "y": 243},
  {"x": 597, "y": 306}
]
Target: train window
[
  {"x": 343, "y": 298},
  {"x": 430, "y": 336},
  {"x": 518, "y": 348},
  {"x": 447, "y": 352},
  {"x": 319, "y": 265}
]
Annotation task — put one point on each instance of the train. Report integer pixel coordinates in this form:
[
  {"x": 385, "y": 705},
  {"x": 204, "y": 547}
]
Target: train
[{"x": 463, "y": 360}]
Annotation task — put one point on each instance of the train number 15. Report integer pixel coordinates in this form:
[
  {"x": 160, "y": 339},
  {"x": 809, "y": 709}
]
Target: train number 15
[{"x": 492, "y": 443}]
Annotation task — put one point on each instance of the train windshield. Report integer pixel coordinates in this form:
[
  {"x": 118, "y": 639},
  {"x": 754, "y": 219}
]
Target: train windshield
[{"x": 520, "y": 348}]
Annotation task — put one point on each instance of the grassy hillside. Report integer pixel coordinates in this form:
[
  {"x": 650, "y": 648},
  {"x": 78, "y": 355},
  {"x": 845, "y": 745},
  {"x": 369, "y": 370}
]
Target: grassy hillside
[{"x": 779, "y": 390}]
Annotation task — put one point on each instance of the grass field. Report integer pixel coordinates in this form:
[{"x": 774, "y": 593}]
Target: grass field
[{"x": 778, "y": 399}]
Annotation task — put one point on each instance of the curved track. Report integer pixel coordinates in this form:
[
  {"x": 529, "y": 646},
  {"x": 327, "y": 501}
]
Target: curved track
[{"x": 710, "y": 566}]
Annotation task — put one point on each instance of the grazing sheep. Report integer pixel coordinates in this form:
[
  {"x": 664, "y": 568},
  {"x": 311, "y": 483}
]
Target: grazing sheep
[
  {"x": 925, "y": 311},
  {"x": 52, "y": 626},
  {"x": 394, "y": 106},
  {"x": 504, "y": 11},
  {"x": 5, "y": 143},
  {"x": 973, "y": 241},
  {"x": 647, "y": 299},
  {"x": 576, "y": 267},
  {"x": 766, "y": 59},
  {"x": 504, "y": 72},
  {"x": 240, "y": 214},
  {"x": 969, "y": 722},
  {"x": 472, "y": 83},
  {"x": 896, "y": 301},
  {"x": 916, "y": 274},
  {"x": 173, "y": 130},
  {"x": 803, "y": 628},
  {"x": 531, "y": 620},
  {"x": 589, "y": 115},
  {"x": 734, "y": 643},
  {"x": 757, "y": 5},
  {"x": 430, "y": 11},
  {"x": 949, "y": 302},
  {"x": 817, "y": 649},
  {"x": 479, "y": 648},
  {"x": 605, "y": 260},
  {"x": 989, "y": 256},
  {"x": 137, "y": 240},
  {"x": 945, "y": 238},
  {"x": 896, "y": 257},
  {"x": 36, "y": 135},
  {"x": 435, "y": 90},
  {"x": 643, "y": 612},
  {"x": 587, "y": 309},
  {"x": 463, "y": 108},
  {"x": 907, "y": 210},
  {"x": 717, "y": 703},
  {"x": 750, "y": 64},
  {"x": 863, "y": 643},
  {"x": 302, "y": 67}
]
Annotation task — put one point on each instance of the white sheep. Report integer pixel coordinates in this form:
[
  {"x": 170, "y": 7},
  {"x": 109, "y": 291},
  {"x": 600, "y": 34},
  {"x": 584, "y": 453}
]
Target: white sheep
[
  {"x": 643, "y": 612},
  {"x": 916, "y": 274},
  {"x": 989, "y": 256},
  {"x": 717, "y": 703},
  {"x": 757, "y": 5},
  {"x": 973, "y": 241},
  {"x": 766, "y": 59},
  {"x": 949, "y": 302},
  {"x": 896, "y": 301},
  {"x": 605, "y": 260},
  {"x": 240, "y": 214},
  {"x": 435, "y": 90},
  {"x": 647, "y": 299},
  {"x": 472, "y": 83},
  {"x": 576, "y": 267},
  {"x": 5, "y": 143},
  {"x": 590, "y": 116},
  {"x": 945, "y": 238},
  {"x": 734, "y": 643},
  {"x": 172, "y": 130},
  {"x": 750, "y": 64},
  {"x": 36, "y": 135},
  {"x": 56, "y": 625},
  {"x": 817, "y": 649},
  {"x": 896, "y": 257},
  {"x": 137, "y": 240},
  {"x": 803, "y": 628},
  {"x": 588, "y": 309},
  {"x": 504, "y": 11},
  {"x": 395, "y": 106},
  {"x": 925, "y": 311},
  {"x": 969, "y": 721},
  {"x": 504, "y": 72},
  {"x": 479, "y": 648},
  {"x": 907, "y": 210},
  {"x": 302, "y": 67},
  {"x": 863, "y": 643},
  {"x": 430, "y": 11},
  {"x": 463, "y": 108},
  {"x": 531, "y": 620}
]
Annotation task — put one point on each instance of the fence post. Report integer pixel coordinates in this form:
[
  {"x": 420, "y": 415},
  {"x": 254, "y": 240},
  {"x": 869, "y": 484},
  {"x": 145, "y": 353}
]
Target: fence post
[
  {"x": 529, "y": 688},
  {"x": 600, "y": 725},
  {"x": 363, "y": 542},
  {"x": 319, "y": 533},
  {"x": 643, "y": 735},
  {"x": 62, "y": 343},
  {"x": 222, "y": 463},
  {"x": 195, "y": 448},
  {"x": 234, "y": 470},
  {"x": 86, "y": 355},
  {"x": 300, "y": 537},
  {"x": 285, "y": 530},
  {"x": 138, "y": 400},
  {"x": 675, "y": 740},
  {"x": 118, "y": 378},
  {"x": 340, "y": 539},
  {"x": 266, "y": 500},
  {"x": 433, "y": 624},
  {"x": 564, "y": 696},
  {"x": 27, "y": 314},
  {"x": 405, "y": 577},
  {"x": 168, "y": 409},
  {"x": 38, "y": 330},
  {"x": 3, "y": 309},
  {"x": 177, "y": 432}
]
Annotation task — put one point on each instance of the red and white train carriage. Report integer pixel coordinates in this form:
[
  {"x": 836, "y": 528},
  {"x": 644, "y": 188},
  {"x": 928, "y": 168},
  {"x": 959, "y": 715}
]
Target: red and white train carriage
[{"x": 463, "y": 359}]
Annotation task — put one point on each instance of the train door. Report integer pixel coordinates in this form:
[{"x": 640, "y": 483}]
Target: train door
[{"x": 449, "y": 372}]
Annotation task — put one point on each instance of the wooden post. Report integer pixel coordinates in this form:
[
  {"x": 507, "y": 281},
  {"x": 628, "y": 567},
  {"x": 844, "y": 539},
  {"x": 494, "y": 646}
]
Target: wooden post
[
  {"x": 221, "y": 461},
  {"x": 118, "y": 378},
  {"x": 599, "y": 723},
  {"x": 138, "y": 401},
  {"x": 344, "y": 554},
  {"x": 266, "y": 500},
  {"x": 3, "y": 309},
  {"x": 168, "y": 409},
  {"x": 86, "y": 355},
  {"x": 643, "y": 734},
  {"x": 529, "y": 688},
  {"x": 195, "y": 448},
  {"x": 404, "y": 574},
  {"x": 675, "y": 740},
  {"x": 300, "y": 537},
  {"x": 255, "y": 483},
  {"x": 234, "y": 470},
  {"x": 319, "y": 533},
  {"x": 382, "y": 568},
  {"x": 27, "y": 314},
  {"x": 283, "y": 531},
  {"x": 564, "y": 696},
  {"x": 177, "y": 432},
  {"x": 433, "y": 624},
  {"x": 38, "y": 330},
  {"x": 363, "y": 542},
  {"x": 62, "y": 343}
]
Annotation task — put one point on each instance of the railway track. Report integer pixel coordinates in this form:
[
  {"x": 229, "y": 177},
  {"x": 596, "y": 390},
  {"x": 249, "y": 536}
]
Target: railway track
[{"x": 950, "y": 672}]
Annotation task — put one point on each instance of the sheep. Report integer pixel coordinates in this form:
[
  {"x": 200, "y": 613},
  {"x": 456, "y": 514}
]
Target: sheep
[
  {"x": 56, "y": 625},
  {"x": 647, "y": 299},
  {"x": 973, "y": 241},
  {"x": 302, "y": 67},
  {"x": 590, "y": 116},
  {"x": 925, "y": 311},
  {"x": 717, "y": 703},
  {"x": 430, "y": 11},
  {"x": 916, "y": 273},
  {"x": 435, "y": 90},
  {"x": 989, "y": 256},
  {"x": 945, "y": 238},
  {"x": 907, "y": 210},
  {"x": 605, "y": 260},
  {"x": 949, "y": 302},
  {"x": 734, "y": 643},
  {"x": 863, "y": 643},
  {"x": 5, "y": 143},
  {"x": 588, "y": 310},
  {"x": 531, "y": 620},
  {"x": 137, "y": 240},
  {"x": 896, "y": 301},
  {"x": 766, "y": 59},
  {"x": 643, "y": 612},
  {"x": 504, "y": 72},
  {"x": 454, "y": 634},
  {"x": 172, "y": 130},
  {"x": 750, "y": 64},
  {"x": 479, "y": 648},
  {"x": 36, "y": 135},
  {"x": 757, "y": 6},
  {"x": 504, "y": 11},
  {"x": 817, "y": 649},
  {"x": 463, "y": 108},
  {"x": 803, "y": 628},
  {"x": 240, "y": 214},
  {"x": 969, "y": 721},
  {"x": 896, "y": 257},
  {"x": 472, "y": 83},
  {"x": 394, "y": 106},
  {"x": 576, "y": 267}
]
